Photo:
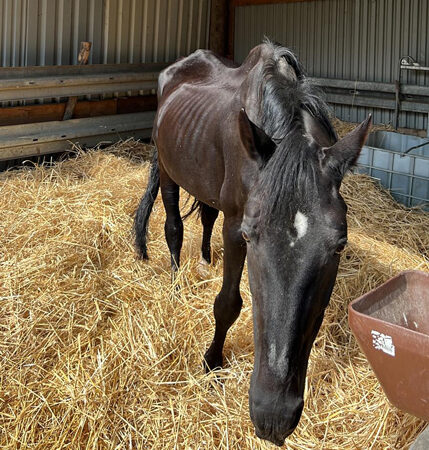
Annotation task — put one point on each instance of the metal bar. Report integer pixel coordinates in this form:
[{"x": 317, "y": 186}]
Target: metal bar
[
  {"x": 393, "y": 172},
  {"x": 407, "y": 67},
  {"x": 36, "y": 139},
  {"x": 375, "y": 102},
  {"x": 368, "y": 86},
  {"x": 354, "y": 85}
]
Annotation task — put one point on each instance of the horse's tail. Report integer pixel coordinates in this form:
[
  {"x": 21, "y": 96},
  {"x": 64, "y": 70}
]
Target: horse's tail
[
  {"x": 141, "y": 219},
  {"x": 196, "y": 206}
]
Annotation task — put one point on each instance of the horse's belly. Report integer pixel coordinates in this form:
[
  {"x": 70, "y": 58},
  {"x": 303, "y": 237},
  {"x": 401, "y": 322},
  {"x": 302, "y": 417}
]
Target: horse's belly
[
  {"x": 202, "y": 183},
  {"x": 189, "y": 144}
]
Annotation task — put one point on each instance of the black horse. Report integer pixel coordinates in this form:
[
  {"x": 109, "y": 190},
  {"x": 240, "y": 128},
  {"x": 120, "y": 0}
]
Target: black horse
[{"x": 255, "y": 142}]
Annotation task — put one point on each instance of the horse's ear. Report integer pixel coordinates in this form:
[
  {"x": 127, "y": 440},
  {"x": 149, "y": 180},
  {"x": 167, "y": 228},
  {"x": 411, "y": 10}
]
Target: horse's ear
[
  {"x": 342, "y": 156},
  {"x": 317, "y": 130},
  {"x": 258, "y": 144}
]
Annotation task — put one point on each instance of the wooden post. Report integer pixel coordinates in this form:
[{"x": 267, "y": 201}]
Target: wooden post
[
  {"x": 231, "y": 30},
  {"x": 85, "y": 50},
  {"x": 218, "y": 41}
]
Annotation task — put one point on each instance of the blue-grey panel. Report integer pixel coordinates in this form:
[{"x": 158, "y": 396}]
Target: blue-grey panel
[{"x": 359, "y": 40}]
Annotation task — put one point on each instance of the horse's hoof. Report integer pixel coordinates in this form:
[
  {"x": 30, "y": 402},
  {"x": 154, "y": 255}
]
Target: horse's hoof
[
  {"x": 203, "y": 269},
  {"x": 212, "y": 362},
  {"x": 142, "y": 255}
]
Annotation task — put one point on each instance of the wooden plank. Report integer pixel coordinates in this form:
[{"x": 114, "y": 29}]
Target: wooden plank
[
  {"x": 74, "y": 128},
  {"x": 137, "y": 104},
  {"x": 376, "y": 102},
  {"x": 19, "y": 73},
  {"x": 45, "y": 113},
  {"x": 28, "y": 83},
  {"x": 49, "y": 137},
  {"x": 46, "y": 91},
  {"x": 46, "y": 148}
]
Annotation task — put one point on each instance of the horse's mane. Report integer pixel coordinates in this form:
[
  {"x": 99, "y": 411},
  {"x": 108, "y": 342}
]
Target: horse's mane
[
  {"x": 290, "y": 174},
  {"x": 286, "y": 91}
]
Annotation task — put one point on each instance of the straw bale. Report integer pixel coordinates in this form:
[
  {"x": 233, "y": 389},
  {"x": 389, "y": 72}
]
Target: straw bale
[{"x": 98, "y": 350}]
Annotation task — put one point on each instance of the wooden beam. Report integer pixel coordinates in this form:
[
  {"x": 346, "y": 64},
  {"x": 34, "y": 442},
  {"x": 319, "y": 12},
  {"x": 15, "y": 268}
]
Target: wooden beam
[
  {"x": 231, "y": 30},
  {"x": 34, "y": 82},
  {"x": 127, "y": 105},
  {"x": 26, "y": 73},
  {"x": 17, "y": 115},
  {"x": 218, "y": 39},
  {"x": 20, "y": 141}
]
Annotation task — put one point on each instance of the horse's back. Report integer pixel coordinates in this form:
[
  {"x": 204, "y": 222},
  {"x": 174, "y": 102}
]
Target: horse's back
[{"x": 199, "y": 67}]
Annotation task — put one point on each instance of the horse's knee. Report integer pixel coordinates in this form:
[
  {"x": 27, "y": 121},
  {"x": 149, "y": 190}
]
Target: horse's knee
[{"x": 227, "y": 308}]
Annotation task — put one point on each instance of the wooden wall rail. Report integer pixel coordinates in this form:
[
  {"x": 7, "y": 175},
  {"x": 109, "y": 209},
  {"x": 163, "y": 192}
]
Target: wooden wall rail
[
  {"x": 38, "y": 129},
  {"x": 20, "y": 141},
  {"x": 29, "y": 83},
  {"x": 16, "y": 115}
]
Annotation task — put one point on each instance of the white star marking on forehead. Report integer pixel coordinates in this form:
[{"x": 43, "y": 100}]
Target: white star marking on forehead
[{"x": 301, "y": 224}]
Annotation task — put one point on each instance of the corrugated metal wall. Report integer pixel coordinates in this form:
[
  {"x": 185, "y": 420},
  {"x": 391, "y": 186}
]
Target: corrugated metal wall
[
  {"x": 347, "y": 39},
  {"x": 49, "y": 32}
]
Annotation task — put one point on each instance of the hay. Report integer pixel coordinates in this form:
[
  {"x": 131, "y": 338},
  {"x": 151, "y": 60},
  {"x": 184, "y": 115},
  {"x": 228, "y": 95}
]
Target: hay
[
  {"x": 96, "y": 352},
  {"x": 343, "y": 128}
]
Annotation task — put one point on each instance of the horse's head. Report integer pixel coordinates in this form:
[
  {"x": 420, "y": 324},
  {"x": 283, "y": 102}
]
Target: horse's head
[{"x": 295, "y": 226}]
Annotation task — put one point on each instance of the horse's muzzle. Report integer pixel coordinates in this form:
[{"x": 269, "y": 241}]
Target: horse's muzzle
[{"x": 274, "y": 423}]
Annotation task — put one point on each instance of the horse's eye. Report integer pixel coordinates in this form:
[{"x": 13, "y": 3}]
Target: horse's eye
[{"x": 245, "y": 236}]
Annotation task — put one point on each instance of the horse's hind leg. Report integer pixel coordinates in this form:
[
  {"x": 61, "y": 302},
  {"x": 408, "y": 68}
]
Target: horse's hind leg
[
  {"x": 208, "y": 218},
  {"x": 173, "y": 224},
  {"x": 228, "y": 302}
]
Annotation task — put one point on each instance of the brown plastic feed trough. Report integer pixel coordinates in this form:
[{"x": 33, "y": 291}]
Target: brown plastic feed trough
[{"x": 391, "y": 325}]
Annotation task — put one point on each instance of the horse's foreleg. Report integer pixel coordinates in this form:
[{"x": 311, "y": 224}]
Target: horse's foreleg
[
  {"x": 208, "y": 219},
  {"x": 173, "y": 224},
  {"x": 228, "y": 302}
]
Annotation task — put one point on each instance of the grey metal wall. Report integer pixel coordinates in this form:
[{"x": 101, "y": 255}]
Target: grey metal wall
[
  {"x": 346, "y": 39},
  {"x": 49, "y": 32}
]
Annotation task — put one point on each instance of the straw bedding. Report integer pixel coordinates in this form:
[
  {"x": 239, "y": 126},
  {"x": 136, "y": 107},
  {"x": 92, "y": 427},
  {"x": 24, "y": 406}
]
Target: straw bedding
[{"x": 98, "y": 351}]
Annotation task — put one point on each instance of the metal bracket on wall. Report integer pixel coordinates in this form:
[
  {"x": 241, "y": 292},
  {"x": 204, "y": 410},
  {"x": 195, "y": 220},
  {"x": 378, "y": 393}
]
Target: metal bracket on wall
[{"x": 406, "y": 63}]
